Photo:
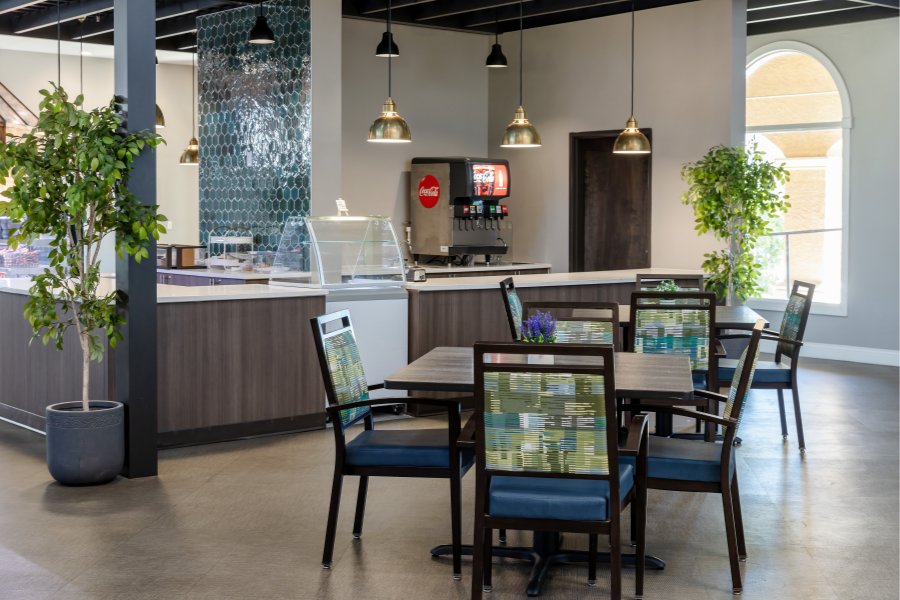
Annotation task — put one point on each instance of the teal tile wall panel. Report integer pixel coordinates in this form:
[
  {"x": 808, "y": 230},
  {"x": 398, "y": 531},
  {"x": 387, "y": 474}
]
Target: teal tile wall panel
[{"x": 254, "y": 120}]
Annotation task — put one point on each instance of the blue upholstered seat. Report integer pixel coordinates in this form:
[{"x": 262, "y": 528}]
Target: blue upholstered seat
[
  {"x": 406, "y": 448},
  {"x": 685, "y": 460},
  {"x": 699, "y": 381},
  {"x": 546, "y": 498},
  {"x": 766, "y": 371}
]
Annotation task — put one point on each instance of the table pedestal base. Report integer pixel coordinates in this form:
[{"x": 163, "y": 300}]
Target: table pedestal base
[{"x": 545, "y": 553}]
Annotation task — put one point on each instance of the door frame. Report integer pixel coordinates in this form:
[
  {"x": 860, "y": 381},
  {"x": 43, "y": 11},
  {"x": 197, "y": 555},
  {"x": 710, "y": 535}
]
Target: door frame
[{"x": 576, "y": 195}]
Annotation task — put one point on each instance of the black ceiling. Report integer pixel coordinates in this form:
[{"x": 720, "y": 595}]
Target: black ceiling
[{"x": 176, "y": 18}]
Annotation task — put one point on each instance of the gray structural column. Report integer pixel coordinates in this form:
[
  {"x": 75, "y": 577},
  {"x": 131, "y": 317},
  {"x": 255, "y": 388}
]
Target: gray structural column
[{"x": 136, "y": 359}]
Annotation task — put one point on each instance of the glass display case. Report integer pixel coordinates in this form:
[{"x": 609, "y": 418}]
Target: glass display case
[
  {"x": 340, "y": 252},
  {"x": 24, "y": 261}
]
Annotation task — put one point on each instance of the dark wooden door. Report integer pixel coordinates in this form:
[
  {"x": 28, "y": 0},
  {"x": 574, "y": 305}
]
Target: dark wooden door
[{"x": 609, "y": 204}]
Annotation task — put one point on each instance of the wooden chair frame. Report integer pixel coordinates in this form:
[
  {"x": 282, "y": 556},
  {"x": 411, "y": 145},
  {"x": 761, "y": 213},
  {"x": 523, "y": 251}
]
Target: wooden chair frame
[
  {"x": 794, "y": 354},
  {"x": 716, "y": 350},
  {"x": 727, "y": 485},
  {"x": 341, "y": 468},
  {"x": 507, "y": 286},
  {"x": 637, "y": 445}
]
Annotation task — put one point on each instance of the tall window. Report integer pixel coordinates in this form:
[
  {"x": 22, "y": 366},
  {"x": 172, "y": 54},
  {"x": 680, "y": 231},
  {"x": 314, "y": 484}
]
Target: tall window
[{"x": 796, "y": 114}]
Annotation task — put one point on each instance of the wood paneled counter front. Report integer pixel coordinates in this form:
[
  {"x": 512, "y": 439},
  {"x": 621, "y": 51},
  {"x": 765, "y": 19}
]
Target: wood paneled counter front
[
  {"x": 460, "y": 312},
  {"x": 234, "y": 361}
]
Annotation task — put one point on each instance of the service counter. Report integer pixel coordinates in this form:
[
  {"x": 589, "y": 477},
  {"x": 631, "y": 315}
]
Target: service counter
[{"x": 234, "y": 361}]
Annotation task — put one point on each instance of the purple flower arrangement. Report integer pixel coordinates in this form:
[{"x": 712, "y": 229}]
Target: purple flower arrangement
[{"x": 539, "y": 328}]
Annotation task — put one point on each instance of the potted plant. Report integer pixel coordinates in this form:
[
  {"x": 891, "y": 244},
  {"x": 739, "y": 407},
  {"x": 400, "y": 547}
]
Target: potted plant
[
  {"x": 69, "y": 183},
  {"x": 734, "y": 193},
  {"x": 539, "y": 329}
]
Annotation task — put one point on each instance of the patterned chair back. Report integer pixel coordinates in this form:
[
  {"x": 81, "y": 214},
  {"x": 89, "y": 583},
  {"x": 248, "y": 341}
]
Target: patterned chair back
[
  {"x": 796, "y": 314},
  {"x": 588, "y": 323},
  {"x": 513, "y": 307},
  {"x": 342, "y": 369},
  {"x": 742, "y": 381},
  {"x": 686, "y": 327},
  {"x": 539, "y": 420},
  {"x": 687, "y": 283}
]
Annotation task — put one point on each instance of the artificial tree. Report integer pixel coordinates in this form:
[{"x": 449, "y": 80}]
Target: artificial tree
[
  {"x": 69, "y": 183},
  {"x": 734, "y": 194}
]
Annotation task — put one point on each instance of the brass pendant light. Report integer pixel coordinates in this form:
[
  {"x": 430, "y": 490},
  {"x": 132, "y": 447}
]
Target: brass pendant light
[
  {"x": 520, "y": 133},
  {"x": 191, "y": 155},
  {"x": 390, "y": 126},
  {"x": 632, "y": 141}
]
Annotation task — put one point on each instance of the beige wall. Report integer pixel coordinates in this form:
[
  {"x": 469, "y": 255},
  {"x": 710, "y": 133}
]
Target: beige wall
[
  {"x": 577, "y": 78},
  {"x": 440, "y": 85},
  {"x": 325, "y": 54},
  {"x": 25, "y": 73}
]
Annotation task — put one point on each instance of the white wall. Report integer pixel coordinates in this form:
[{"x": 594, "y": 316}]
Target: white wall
[
  {"x": 25, "y": 73},
  {"x": 577, "y": 78},
  {"x": 868, "y": 57},
  {"x": 325, "y": 55},
  {"x": 440, "y": 85}
]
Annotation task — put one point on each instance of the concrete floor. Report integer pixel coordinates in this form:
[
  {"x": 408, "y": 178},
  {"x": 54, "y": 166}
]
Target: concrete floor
[{"x": 246, "y": 519}]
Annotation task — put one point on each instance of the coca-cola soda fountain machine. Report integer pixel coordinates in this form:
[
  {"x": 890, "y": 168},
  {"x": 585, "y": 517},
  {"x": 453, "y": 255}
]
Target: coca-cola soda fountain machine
[{"x": 457, "y": 206}]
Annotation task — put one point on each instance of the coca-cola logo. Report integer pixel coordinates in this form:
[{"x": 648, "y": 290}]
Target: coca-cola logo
[{"x": 429, "y": 191}]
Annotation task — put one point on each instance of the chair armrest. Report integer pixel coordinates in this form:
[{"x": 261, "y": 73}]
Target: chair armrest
[
  {"x": 686, "y": 412},
  {"x": 449, "y": 403},
  {"x": 377, "y": 386},
  {"x": 711, "y": 395},
  {"x": 766, "y": 335},
  {"x": 467, "y": 436},
  {"x": 640, "y": 425},
  {"x": 720, "y": 349}
]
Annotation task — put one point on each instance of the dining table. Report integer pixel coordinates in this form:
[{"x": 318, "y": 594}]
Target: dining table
[{"x": 646, "y": 376}]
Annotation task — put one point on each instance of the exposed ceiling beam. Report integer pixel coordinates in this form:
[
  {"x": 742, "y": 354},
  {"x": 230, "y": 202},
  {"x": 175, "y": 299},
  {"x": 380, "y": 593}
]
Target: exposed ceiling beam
[
  {"x": 535, "y": 8},
  {"x": 169, "y": 10},
  {"x": 885, "y": 3},
  {"x": 792, "y": 11},
  {"x": 375, "y": 6},
  {"x": 446, "y": 8},
  {"x": 68, "y": 12},
  {"x": 758, "y": 4},
  {"x": 866, "y": 13},
  {"x": 617, "y": 7},
  {"x": 11, "y": 5}
]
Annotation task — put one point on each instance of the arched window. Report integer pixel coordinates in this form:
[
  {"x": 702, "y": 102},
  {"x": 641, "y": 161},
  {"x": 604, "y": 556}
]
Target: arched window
[{"x": 798, "y": 112}]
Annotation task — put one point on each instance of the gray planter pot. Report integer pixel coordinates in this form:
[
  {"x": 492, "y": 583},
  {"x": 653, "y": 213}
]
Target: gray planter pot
[{"x": 85, "y": 448}]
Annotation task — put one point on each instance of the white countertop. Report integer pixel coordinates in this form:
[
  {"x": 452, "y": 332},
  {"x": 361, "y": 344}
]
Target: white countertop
[
  {"x": 179, "y": 293},
  {"x": 222, "y": 274},
  {"x": 544, "y": 280},
  {"x": 435, "y": 269}
]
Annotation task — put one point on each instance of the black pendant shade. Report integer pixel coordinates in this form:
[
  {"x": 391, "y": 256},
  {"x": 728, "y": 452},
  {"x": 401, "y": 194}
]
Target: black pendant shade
[
  {"x": 496, "y": 58},
  {"x": 387, "y": 47},
  {"x": 261, "y": 33}
]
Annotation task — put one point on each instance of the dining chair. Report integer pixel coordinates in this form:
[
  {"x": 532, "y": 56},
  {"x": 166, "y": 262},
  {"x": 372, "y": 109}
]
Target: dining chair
[
  {"x": 679, "y": 323},
  {"x": 547, "y": 454},
  {"x": 776, "y": 375},
  {"x": 427, "y": 453},
  {"x": 583, "y": 322},
  {"x": 698, "y": 466},
  {"x": 513, "y": 307}
]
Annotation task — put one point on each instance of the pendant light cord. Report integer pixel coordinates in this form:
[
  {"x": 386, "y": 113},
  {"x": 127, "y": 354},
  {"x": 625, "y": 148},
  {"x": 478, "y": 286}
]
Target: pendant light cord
[
  {"x": 81, "y": 56},
  {"x": 632, "y": 58},
  {"x": 390, "y": 47},
  {"x": 193, "y": 82},
  {"x": 521, "y": 38}
]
